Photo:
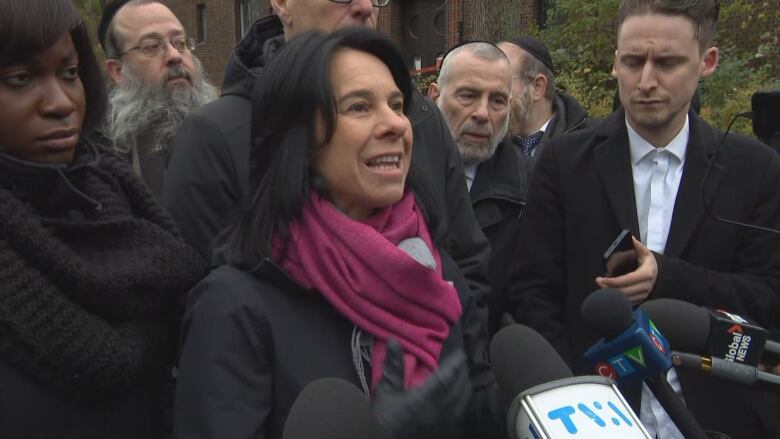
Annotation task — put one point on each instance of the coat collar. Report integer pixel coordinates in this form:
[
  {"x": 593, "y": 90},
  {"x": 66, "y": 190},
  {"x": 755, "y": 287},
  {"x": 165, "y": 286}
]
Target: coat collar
[
  {"x": 613, "y": 161},
  {"x": 502, "y": 176},
  {"x": 689, "y": 205}
]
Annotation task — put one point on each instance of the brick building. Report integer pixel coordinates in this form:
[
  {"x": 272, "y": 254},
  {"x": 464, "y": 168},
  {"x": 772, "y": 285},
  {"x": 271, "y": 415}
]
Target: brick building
[{"x": 423, "y": 28}]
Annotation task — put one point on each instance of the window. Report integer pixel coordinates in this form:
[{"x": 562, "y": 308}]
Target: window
[
  {"x": 247, "y": 11},
  {"x": 201, "y": 17}
]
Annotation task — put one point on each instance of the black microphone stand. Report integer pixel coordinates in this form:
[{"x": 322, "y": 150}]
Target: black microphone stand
[{"x": 681, "y": 416}]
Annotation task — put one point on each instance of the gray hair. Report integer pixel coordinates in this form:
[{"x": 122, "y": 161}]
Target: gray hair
[
  {"x": 532, "y": 67},
  {"x": 114, "y": 42},
  {"x": 481, "y": 50},
  {"x": 146, "y": 117}
]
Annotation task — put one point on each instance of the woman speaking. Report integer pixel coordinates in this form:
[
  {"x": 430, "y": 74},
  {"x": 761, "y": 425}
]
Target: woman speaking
[{"x": 336, "y": 271}]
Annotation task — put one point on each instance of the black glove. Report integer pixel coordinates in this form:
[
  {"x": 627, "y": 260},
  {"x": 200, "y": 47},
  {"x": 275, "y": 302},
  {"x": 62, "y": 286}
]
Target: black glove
[{"x": 434, "y": 409}]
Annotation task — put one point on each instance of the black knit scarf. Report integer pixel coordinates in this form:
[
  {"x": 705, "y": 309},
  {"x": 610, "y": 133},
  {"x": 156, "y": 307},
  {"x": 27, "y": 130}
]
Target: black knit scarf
[{"x": 91, "y": 273}]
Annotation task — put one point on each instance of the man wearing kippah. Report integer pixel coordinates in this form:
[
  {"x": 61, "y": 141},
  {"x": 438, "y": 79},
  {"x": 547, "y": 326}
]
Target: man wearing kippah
[
  {"x": 158, "y": 82},
  {"x": 539, "y": 113},
  {"x": 473, "y": 92}
]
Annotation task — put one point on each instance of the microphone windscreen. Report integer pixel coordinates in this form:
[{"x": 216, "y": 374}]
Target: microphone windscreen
[
  {"x": 331, "y": 408},
  {"x": 522, "y": 359},
  {"x": 685, "y": 325},
  {"x": 607, "y": 311}
]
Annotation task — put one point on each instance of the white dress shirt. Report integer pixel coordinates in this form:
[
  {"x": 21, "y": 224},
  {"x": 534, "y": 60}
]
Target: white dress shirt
[
  {"x": 657, "y": 173},
  {"x": 471, "y": 174}
]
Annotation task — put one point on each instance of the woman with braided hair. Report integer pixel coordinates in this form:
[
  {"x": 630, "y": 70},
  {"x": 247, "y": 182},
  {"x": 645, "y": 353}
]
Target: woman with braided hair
[{"x": 91, "y": 269}]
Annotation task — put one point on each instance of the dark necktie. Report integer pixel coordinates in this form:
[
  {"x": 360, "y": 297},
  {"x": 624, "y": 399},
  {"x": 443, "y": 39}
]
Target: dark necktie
[{"x": 527, "y": 144}]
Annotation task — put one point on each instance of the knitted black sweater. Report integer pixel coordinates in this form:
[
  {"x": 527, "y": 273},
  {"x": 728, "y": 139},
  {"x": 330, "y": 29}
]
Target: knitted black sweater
[{"x": 91, "y": 274}]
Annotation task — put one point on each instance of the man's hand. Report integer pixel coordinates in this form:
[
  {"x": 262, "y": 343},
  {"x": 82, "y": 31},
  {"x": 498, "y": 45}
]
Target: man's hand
[{"x": 638, "y": 284}]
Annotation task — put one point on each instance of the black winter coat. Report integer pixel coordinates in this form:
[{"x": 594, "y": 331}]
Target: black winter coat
[
  {"x": 91, "y": 275},
  {"x": 207, "y": 178},
  {"x": 583, "y": 196},
  {"x": 570, "y": 116},
  {"x": 254, "y": 340},
  {"x": 498, "y": 197}
]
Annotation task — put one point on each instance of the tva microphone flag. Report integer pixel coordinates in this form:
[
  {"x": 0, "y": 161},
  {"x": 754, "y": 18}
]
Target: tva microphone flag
[
  {"x": 637, "y": 353},
  {"x": 546, "y": 402}
]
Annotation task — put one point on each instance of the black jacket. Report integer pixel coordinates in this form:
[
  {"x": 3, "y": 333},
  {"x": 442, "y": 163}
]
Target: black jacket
[
  {"x": 254, "y": 340},
  {"x": 91, "y": 275},
  {"x": 499, "y": 194},
  {"x": 498, "y": 197},
  {"x": 570, "y": 116},
  {"x": 583, "y": 196},
  {"x": 208, "y": 172}
]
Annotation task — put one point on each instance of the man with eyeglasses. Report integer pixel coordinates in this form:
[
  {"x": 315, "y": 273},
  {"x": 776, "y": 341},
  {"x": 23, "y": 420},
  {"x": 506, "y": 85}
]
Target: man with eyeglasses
[
  {"x": 208, "y": 173},
  {"x": 158, "y": 82}
]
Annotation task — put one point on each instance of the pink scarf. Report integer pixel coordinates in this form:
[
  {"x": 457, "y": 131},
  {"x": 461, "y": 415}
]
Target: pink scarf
[{"x": 358, "y": 268}]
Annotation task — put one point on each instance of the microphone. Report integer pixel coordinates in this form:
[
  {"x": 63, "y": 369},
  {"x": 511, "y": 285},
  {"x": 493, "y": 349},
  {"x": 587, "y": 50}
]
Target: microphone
[
  {"x": 331, "y": 408},
  {"x": 729, "y": 370},
  {"x": 732, "y": 345},
  {"x": 636, "y": 352},
  {"x": 632, "y": 350},
  {"x": 546, "y": 402},
  {"x": 719, "y": 333}
]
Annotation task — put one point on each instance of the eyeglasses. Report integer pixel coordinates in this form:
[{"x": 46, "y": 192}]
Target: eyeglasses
[
  {"x": 155, "y": 46},
  {"x": 375, "y": 3}
]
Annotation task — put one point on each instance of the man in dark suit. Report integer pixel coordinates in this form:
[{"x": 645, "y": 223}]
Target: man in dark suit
[{"x": 645, "y": 169}]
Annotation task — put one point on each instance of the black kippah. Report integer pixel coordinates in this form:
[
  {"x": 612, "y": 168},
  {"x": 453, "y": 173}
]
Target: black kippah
[
  {"x": 108, "y": 14},
  {"x": 536, "y": 48}
]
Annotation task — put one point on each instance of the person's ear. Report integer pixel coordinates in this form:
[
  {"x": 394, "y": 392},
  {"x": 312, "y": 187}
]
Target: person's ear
[
  {"x": 709, "y": 62},
  {"x": 282, "y": 11},
  {"x": 434, "y": 92},
  {"x": 114, "y": 69},
  {"x": 614, "y": 65},
  {"x": 540, "y": 87}
]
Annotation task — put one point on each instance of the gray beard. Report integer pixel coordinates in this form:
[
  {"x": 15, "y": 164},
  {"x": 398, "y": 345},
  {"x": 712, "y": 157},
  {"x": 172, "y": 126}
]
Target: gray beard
[
  {"x": 145, "y": 117},
  {"x": 521, "y": 112},
  {"x": 475, "y": 153}
]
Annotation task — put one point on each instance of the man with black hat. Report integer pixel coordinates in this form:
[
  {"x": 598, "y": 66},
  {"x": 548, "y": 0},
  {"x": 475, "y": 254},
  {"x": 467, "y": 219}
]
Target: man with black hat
[
  {"x": 158, "y": 82},
  {"x": 539, "y": 113}
]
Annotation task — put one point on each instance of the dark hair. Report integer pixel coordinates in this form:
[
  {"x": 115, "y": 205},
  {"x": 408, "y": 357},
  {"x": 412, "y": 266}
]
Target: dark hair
[
  {"x": 703, "y": 14},
  {"x": 294, "y": 90},
  {"x": 31, "y": 26}
]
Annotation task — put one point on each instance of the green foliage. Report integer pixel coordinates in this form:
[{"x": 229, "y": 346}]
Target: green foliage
[
  {"x": 91, "y": 11},
  {"x": 581, "y": 35},
  {"x": 422, "y": 81}
]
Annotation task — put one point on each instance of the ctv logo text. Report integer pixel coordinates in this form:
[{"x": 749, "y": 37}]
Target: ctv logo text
[{"x": 622, "y": 365}]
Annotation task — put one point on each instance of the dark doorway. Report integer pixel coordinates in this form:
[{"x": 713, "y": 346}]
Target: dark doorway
[{"x": 423, "y": 24}]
